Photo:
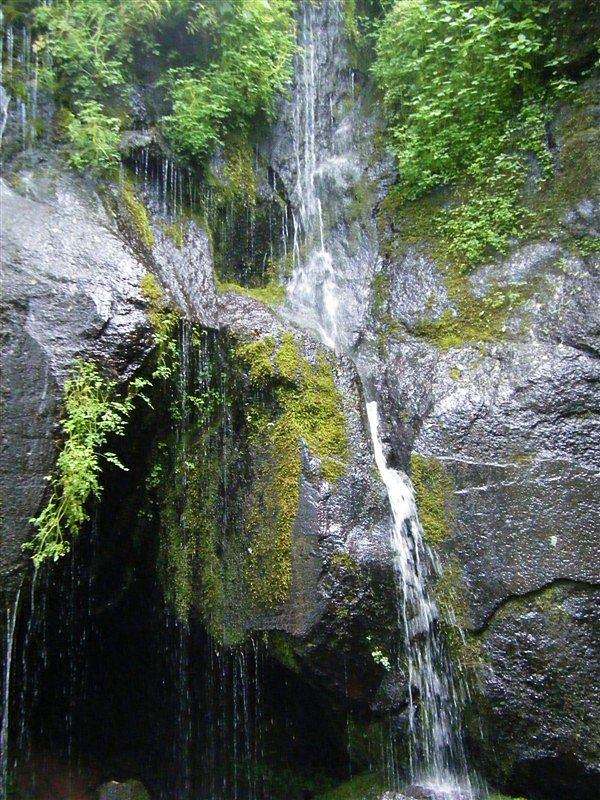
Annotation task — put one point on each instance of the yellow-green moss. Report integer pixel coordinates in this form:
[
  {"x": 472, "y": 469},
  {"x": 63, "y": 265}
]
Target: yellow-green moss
[
  {"x": 138, "y": 215},
  {"x": 309, "y": 408},
  {"x": 238, "y": 182},
  {"x": 280, "y": 647},
  {"x": 165, "y": 320},
  {"x": 177, "y": 553},
  {"x": 176, "y": 232},
  {"x": 473, "y": 319},
  {"x": 272, "y": 510},
  {"x": 504, "y": 797},
  {"x": 433, "y": 487},
  {"x": 309, "y": 400},
  {"x": 272, "y": 294}
]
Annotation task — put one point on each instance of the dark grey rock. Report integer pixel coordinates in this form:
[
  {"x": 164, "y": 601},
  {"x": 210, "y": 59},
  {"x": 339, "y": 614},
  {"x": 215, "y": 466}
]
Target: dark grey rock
[
  {"x": 70, "y": 290},
  {"x": 540, "y": 681}
]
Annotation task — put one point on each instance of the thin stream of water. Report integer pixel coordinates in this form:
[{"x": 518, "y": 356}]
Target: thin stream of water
[{"x": 11, "y": 624}]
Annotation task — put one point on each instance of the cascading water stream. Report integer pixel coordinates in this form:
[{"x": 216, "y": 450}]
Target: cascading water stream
[
  {"x": 437, "y": 756},
  {"x": 436, "y": 752},
  {"x": 311, "y": 290}
]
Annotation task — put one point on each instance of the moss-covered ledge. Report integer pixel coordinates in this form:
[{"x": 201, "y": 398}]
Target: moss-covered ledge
[{"x": 304, "y": 407}]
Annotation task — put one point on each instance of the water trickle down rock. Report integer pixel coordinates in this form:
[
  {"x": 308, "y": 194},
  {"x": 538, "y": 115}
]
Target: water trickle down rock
[{"x": 321, "y": 150}]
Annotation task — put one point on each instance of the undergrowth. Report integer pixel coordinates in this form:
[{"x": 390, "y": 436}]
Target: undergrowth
[
  {"x": 468, "y": 91},
  {"x": 233, "y": 60},
  {"x": 94, "y": 411}
]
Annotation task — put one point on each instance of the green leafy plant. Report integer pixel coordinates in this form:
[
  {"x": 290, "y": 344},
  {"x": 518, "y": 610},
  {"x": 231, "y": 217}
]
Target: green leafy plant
[
  {"x": 93, "y": 412},
  {"x": 254, "y": 43},
  {"x": 467, "y": 88},
  {"x": 236, "y": 59},
  {"x": 451, "y": 73},
  {"x": 93, "y": 138}
]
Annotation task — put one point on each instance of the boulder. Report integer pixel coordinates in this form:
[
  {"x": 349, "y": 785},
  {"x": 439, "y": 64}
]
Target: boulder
[{"x": 71, "y": 289}]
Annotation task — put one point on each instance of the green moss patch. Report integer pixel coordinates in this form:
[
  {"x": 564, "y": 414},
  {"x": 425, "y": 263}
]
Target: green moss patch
[
  {"x": 362, "y": 787},
  {"x": 227, "y": 495},
  {"x": 164, "y": 319},
  {"x": 504, "y": 797},
  {"x": 309, "y": 409},
  {"x": 472, "y": 319},
  {"x": 433, "y": 488},
  {"x": 272, "y": 294},
  {"x": 138, "y": 216}
]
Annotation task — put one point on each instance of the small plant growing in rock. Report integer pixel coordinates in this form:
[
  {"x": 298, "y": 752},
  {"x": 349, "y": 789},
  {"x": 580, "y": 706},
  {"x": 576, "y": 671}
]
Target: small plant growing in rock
[
  {"x": 379, "y": 657},
  {"x": 93, "y": 412}
]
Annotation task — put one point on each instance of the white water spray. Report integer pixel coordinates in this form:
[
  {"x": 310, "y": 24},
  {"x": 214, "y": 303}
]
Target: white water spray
[{"x": 312, "y": 296}]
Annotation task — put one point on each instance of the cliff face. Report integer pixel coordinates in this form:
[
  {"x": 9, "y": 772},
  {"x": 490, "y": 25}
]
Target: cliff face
[
  {"x": 490, "y": 401},
  {"x": 502, "y": 433}
]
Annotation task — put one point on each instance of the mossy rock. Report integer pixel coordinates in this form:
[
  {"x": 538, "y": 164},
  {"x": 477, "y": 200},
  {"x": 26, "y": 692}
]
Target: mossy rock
[
  {"x": 433, "y": 488},
  {"x": 308, "y": 409},
  {"x": 130, "y": 790},
  {"x": 361, "y": 787},
  {"x": 137, "y": 215}
]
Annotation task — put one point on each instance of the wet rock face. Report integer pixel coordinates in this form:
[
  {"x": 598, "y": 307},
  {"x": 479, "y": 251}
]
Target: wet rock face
[
  {"x": 70, "y": 290},
  {"x": 540, "y": 683},
  {"x": 514, "y": 422}
]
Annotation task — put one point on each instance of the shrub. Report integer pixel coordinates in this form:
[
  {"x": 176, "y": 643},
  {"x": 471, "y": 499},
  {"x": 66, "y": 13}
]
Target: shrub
[
  {"x": 254, "y": 43},
  {"x": 93, "y": 412},
  {"x": 237, "y": 57},
  {"x": 466, "y": 89},
  {"x": 451, "y": 74},
  {"x": 93, "y": 138}
]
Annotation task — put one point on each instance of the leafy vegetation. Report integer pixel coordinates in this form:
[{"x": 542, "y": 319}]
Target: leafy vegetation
[
  {"x": 234, "y": 59},
  {"x": 450, "y": 74},
  {"x": 94, "y": 138},
  {"x": 93, "y": 412},
  {"x": 467, "y": 87},
  {"x": 254, "y": 42}
]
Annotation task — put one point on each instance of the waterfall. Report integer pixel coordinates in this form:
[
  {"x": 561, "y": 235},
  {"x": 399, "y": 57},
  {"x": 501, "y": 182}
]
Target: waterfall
[
  {"x": 19, "y": 58},
  {"x": 313, "y": 298},
  {"x": 436, "y": 752},
  {"x": 11, "y": 624},
  {"x": 316, "y": 300}
]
